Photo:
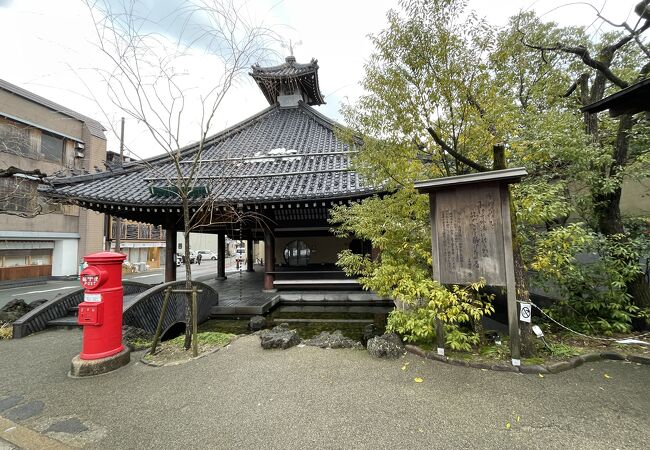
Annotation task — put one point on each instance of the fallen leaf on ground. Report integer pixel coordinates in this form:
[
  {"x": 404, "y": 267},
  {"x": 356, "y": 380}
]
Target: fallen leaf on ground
[
  {"x": 540, "y": 375},
  {"x": 607, "y": 376},
  {"x": 507, "y": 425},
  {"x": 418, "y": 380}
]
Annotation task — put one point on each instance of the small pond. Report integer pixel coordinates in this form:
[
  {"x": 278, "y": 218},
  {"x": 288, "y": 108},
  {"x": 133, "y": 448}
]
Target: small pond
[{"x": 311, "y": 320}]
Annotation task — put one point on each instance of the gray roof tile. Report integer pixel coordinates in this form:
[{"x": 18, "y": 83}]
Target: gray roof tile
[{"x": 279, "y": 155}]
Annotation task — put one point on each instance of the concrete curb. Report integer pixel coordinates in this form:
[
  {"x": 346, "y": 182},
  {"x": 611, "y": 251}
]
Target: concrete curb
[
  {"x": 25, "y": 438},
  {"x": 557, "y": 367},
  {"x": 193, "y": 358}
]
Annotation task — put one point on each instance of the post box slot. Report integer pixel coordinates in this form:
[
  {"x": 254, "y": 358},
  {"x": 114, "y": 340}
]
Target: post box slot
[{"x": 90, "y": 313}]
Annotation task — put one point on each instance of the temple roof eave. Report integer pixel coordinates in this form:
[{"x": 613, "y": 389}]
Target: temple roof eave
[{"x": 279, "y": 155}]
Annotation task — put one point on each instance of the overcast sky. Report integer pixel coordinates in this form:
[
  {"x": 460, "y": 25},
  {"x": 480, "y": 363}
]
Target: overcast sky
[{"x": 47, "y": 48}]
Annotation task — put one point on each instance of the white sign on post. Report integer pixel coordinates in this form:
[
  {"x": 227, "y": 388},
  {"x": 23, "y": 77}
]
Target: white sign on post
[
  {"x": 525, "y": 312},
  {"x": 92, "y": 298}
]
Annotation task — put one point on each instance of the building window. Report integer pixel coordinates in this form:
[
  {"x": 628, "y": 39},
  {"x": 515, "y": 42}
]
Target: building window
[
  {"x": 52, "y": 146},
  {"x": 15, "y": 139},
  {"x": 296, "y": 253},
  {"x": 18, "y": 195}
]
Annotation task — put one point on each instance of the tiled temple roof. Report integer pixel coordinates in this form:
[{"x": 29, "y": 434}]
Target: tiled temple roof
[{"x": 278, "y": 155}]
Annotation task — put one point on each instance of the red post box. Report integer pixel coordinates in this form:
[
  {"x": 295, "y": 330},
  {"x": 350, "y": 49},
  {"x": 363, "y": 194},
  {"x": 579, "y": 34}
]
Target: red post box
[{"x": 101, "y": 311}]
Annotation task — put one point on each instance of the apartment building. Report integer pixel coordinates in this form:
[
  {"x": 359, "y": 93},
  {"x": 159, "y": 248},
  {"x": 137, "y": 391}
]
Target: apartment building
[{"x": 40, "y": 238}]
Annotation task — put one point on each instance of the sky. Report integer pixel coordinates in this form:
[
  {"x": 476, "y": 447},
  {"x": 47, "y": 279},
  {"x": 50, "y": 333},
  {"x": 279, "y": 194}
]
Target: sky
[{"x": 49, "y": 48}]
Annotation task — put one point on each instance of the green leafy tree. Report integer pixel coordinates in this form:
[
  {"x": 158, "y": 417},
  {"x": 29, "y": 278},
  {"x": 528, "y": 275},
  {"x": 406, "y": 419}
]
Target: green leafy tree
[
  {"x": 433, "y": 108},
  {"x": 605, "y": 64},
  {"x": 445, "y": 91}
]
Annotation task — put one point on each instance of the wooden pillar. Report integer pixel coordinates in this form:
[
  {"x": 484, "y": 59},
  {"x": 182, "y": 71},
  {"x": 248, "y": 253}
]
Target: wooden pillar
[
  {"x": 249, "y": 255},
  {"x": 440, "y": 330},
  {"x": 221, "y": 256},
  {"x": 269, "y": 259},
  {"x": 170, "y": 253},
  {"x": 513, "y": 310}
]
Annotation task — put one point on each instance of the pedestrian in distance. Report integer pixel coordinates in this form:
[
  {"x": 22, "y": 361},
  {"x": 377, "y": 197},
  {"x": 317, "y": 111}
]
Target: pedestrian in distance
[{"x": 198, "y": 258}]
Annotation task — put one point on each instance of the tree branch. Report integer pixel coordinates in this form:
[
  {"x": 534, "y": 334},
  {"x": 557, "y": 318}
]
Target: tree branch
[
  {"x": 586, "y": 58},
  {"x": 457, "y": 156}
]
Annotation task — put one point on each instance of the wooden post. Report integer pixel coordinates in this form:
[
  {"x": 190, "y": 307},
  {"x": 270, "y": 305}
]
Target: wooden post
[
  {"x": 163, "y": 311},
  {"x": 513, "y": 316},
  {"x": 221, "y": 256},
  {"x": 170, "y": 253},
  {"x": 249, "y": 255},
  {"x": 440, "y": 331},
  {"x": 269, "y": 259}
]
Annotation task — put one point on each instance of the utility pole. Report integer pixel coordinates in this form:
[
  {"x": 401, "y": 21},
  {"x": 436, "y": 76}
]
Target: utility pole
[{"x": 118, "y": 221}]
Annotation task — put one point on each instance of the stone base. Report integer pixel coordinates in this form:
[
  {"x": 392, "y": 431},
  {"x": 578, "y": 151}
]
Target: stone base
[
  {"x": 88, "y": 368},
  {"x": 221, "y": 278}
]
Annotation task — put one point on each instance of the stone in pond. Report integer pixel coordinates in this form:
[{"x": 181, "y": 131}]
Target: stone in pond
[
  {"x": 256, "y": 323},
  {"x": 386, "y": 346},
  {"x": 280, "y": 337},
  {"x": 370, "y": 331},
  {"x": 334, "y": 339}
]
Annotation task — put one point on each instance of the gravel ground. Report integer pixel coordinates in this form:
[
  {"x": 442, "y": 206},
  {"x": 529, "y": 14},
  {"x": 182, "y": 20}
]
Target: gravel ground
[{"x": 245, "y": 397}]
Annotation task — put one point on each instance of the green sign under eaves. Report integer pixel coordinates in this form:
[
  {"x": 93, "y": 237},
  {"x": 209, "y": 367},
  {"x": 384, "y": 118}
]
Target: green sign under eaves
[{"x": 173, "y": 191}]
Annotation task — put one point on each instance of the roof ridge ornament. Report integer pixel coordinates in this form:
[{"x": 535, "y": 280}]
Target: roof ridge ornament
[{"x": 291, "y": 58}]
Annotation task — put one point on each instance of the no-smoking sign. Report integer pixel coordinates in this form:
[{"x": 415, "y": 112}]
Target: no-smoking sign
[{"x": 525, "y": 312}]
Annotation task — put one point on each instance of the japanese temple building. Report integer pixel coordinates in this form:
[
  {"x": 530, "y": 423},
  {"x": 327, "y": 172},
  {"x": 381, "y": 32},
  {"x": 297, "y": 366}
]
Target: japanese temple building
[{"x": 272, "y": 177}]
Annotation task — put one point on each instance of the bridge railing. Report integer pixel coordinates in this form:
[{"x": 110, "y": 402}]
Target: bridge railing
[
  {"x": 144, "y": 311},
  {"x": 37, "y": 319}
]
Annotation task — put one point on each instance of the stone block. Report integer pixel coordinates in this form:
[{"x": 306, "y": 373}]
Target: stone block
[
  {"x": 88, "y": 368},
  {"x": 590, "y": 357},
  {"x": 504, "y": 368},
  {"x": 639, "y": 359},
  {"x": 576, "y": 362},
  {"x": 612, "y": 356},
  {"x": 559, "y": 367},
  {"x": 535, "y": 368},
  {"x": 416, "y": 350}
]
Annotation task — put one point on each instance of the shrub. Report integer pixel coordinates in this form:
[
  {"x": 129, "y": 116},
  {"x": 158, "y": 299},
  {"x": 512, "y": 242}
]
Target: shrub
[{"x": 593, "y": 297}]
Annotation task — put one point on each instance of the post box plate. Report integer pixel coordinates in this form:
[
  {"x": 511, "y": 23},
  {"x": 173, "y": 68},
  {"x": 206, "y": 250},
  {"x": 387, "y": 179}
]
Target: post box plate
[{"x": 92, "y": 298}]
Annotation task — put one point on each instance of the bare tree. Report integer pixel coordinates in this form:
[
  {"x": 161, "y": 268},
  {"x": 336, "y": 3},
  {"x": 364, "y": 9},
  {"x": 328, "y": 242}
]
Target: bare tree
[{"x": 145, "y": 81}]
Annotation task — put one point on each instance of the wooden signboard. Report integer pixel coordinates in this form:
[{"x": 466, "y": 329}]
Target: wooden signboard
[{"x": 471, "y": 236}]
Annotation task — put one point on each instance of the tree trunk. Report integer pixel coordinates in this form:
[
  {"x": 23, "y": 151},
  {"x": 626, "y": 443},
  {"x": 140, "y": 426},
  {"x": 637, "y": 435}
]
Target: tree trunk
[
  {"x": 521, "y": 277},
  {"x": 608, "y": 211},
  {"x": 188, "y": 274}
]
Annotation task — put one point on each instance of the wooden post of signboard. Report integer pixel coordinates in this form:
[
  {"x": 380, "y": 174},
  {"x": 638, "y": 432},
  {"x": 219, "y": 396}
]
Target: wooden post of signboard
[
  {"x": 513, "y": 317},
  {"x": 440, "y": 331},
  {"x": 471, "y": 237}
]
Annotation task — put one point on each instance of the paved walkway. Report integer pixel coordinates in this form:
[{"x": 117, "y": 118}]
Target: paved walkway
[{"x": 244, "y": 397}]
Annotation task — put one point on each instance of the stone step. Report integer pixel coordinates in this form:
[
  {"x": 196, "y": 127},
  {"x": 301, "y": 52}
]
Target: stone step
[
  {"x": 68, "y": 321},
  {"x": 281, "y": 320},
  {"x": 316, "y": 309}
]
